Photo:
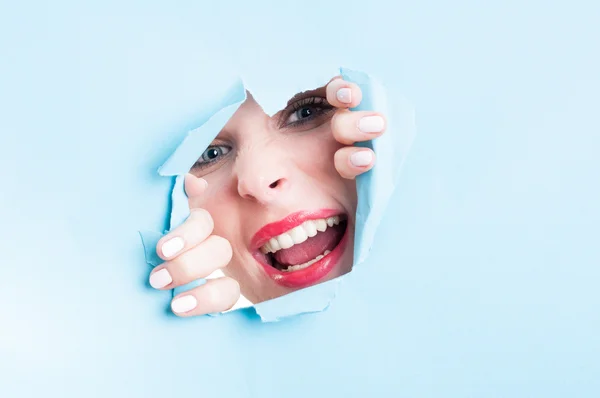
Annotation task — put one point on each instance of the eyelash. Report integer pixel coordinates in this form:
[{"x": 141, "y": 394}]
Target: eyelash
[
  {"x": 203, "y": 163},
  {"x": 316, "y": 102}
]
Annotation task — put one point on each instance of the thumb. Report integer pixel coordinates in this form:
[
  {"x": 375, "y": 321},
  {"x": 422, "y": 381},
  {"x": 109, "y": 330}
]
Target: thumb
[{"x": 195, "y": 188}]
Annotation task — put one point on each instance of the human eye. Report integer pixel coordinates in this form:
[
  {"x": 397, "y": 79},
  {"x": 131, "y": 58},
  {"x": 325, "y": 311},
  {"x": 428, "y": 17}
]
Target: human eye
[
  {"x": 306, "y": 110},
  {"x": 212, "y": 155}
]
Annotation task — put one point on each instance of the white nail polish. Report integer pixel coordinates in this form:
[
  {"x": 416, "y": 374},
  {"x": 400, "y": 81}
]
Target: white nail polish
[
  {"x": 362, "y": 158},
  {"x": 172, "y": 247},
  {"x": 344, "y": 95},
  {"x": 371, "y": 124},
  {"x": 160, "y": 279},
  {"x": 184, "y": 304}
]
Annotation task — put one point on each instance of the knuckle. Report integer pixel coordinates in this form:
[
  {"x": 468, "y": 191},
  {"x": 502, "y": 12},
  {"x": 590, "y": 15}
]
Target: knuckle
[
  {"x": 342, "y": 127},
  {"x": 223, "y": 247},
  {"x": 203, "y": 216},
  {"x": 187, "y": 266},
  {"x": 341, "y": 164},
  {"x": 344, "y": 172},
  {"x": 338, "y": 77},
  {"x": 335, "y": 82},
  {"x": 336, "y": 124},
  {"x": 348, "y": 175},
  {"x": 340, "y": 157},
  {"x": 212, "y": 295},
  {"x": 234, "y": 291},
  {"x": 335, "y": 119},
  {"x": 183, "y": 268},
  {"x": 235, "y": 285}
]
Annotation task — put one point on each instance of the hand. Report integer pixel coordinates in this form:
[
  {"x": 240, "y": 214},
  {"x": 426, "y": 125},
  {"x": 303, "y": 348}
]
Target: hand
[
  {"x": 351, "y": 127},
  {"x": 191, "y": 252}
]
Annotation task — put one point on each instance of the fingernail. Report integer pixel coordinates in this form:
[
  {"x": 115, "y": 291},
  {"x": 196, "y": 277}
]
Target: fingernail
[
  {"x": 361, "y": 159},
  {"x": 160, "y": 279},
  {"x": 344, "y": 95},
  {"x": 371, "y": 124},
  {"x": 184, "y": 304},
  {"x": 172, "y": 247}
]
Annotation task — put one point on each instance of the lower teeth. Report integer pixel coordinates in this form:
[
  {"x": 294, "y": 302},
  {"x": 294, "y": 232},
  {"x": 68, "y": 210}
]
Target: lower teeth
[{"x": 306, "y": 264}]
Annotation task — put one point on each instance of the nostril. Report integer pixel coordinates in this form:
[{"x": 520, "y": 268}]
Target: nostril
[{"x": 277, "y": 183}]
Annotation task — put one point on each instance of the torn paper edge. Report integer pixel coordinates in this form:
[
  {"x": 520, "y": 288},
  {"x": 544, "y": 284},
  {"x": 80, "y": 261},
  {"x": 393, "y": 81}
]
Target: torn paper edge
[
  {"x": 274, "y": 100},
  {"x": 316, "y": 298}
]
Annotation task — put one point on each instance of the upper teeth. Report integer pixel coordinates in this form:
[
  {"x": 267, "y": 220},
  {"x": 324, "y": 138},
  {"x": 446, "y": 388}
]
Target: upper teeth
[{"x": 299, "y": 234}]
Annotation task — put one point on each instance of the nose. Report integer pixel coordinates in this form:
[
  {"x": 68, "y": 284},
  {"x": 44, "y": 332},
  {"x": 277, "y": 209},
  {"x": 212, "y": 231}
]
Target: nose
[{"x": 261, "y": 178}]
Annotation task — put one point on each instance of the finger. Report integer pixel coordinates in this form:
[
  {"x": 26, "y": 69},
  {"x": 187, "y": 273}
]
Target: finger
[
  {"x": 350, "y": 127},
  {"x": 342, "y": 94},
  {"x": 195, "y": 187},
  {"x": 216, "y": 295},
  {"x": 212, "y": 254},
  {"x": 196, "y": 228},
  {"x": 352, "y": 161}
]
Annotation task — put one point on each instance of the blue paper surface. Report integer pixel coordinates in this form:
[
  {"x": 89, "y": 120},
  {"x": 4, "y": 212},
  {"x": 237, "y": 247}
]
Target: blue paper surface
[{"x": 483, "y": 277}]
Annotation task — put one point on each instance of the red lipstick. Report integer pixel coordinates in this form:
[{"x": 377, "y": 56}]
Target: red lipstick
[{"x": 310, "y": 275}]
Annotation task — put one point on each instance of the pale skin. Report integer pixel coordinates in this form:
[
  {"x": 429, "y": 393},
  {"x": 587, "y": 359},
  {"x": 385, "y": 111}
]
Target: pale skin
[{"x": 200, "y": 251}]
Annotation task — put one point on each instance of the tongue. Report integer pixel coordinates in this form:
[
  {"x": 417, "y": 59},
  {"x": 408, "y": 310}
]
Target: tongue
[{"x": 310, "y": 248}]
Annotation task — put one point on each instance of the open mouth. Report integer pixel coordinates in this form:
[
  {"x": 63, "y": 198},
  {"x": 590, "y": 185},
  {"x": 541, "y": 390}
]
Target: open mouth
[
  {"x": 303, "y": 248},
  {"x": 305, "y": 244}
]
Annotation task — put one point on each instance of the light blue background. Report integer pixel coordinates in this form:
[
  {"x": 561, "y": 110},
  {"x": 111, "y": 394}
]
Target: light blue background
[{"x": 484, "y": 277}]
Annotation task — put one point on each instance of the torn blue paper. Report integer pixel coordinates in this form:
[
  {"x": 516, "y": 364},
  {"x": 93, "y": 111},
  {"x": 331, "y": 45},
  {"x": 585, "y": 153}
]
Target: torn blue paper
[
  {"x": 374, "y": 188},
  {"x": 312, "y": 299},
  {"x": 272, "y": 90},
  {"x": 186, "y": 154},
  {"x": 149, "y": 241}
]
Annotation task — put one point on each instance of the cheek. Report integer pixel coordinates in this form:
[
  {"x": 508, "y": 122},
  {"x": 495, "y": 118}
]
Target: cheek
[
  {"x": 221, "y": 207},
  {"x": 229, "y": 215},
  {"x": 313, "y": 153},
  {"x": 351, "y": 197}
]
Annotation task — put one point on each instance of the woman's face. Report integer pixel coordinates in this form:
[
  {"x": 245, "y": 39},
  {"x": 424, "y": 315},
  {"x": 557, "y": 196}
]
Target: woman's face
[{"x": 274, "y": 193}]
